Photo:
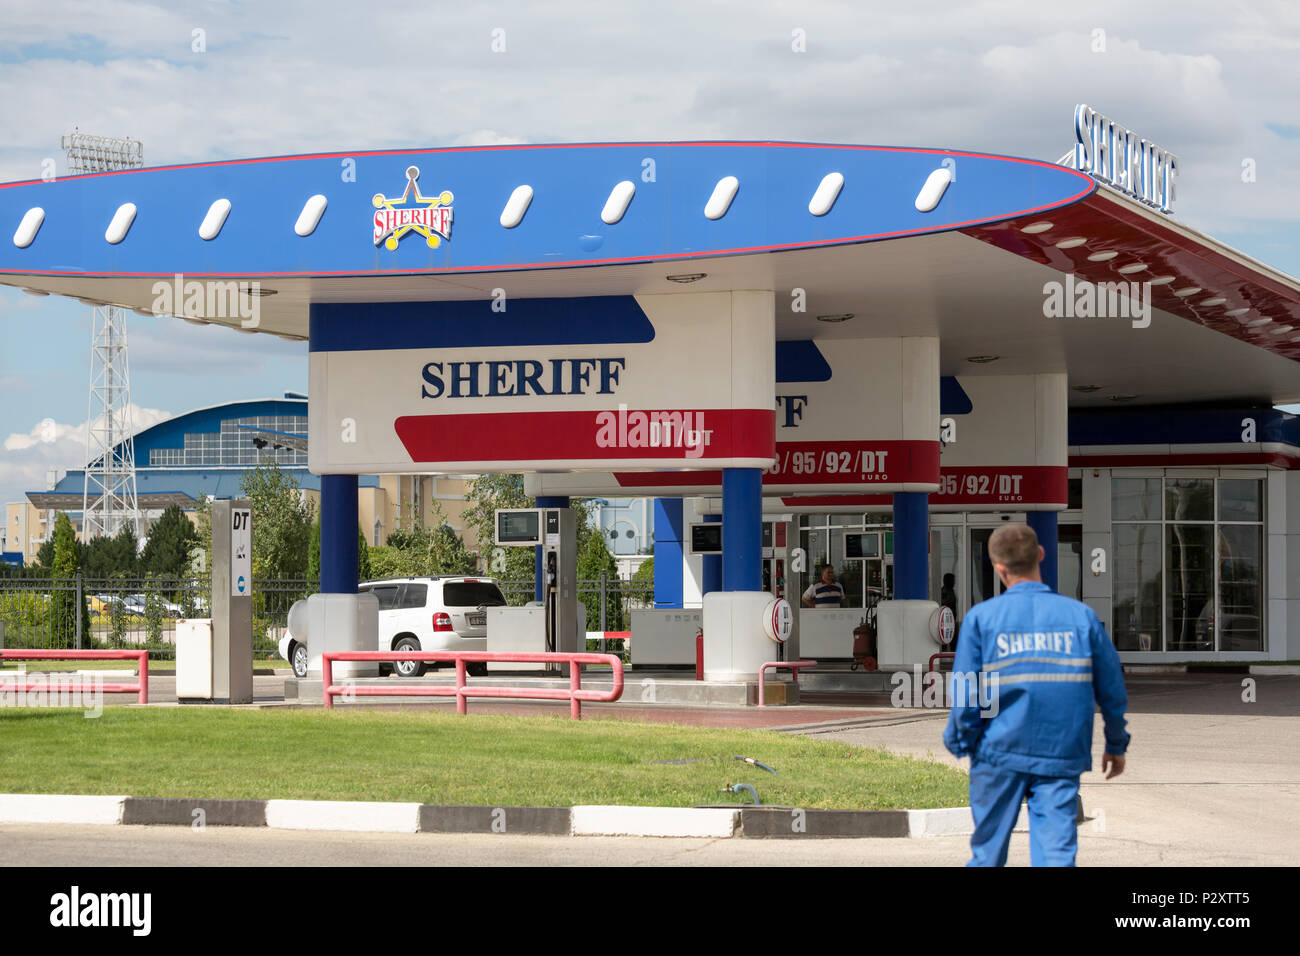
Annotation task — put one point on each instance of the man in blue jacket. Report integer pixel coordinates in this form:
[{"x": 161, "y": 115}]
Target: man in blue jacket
[{"x": 1040, "y": 661}]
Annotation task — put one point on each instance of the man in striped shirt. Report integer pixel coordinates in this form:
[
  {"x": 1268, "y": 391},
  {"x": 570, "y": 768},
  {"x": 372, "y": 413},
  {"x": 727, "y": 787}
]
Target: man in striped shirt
[
  {"x": 824, "y": 593},
  {"x": 1047, "y": 661}
]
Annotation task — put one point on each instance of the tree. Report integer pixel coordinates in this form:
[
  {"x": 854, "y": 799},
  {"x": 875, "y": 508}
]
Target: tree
[
  {"x": 594, "y": 560},
  {"x": 421, "y": 550},
  {"x": 45, "y": 554},
  {"x": 172, "y": 541},
  {"x": 116, "y": 556},
  {"x": 645, "y": 574},
  {"x": 641, "y": 589},
  {"x": 488, "y": 493},
  {"x": 66, "y": 565},
  {"x": 282, "y": 521}
]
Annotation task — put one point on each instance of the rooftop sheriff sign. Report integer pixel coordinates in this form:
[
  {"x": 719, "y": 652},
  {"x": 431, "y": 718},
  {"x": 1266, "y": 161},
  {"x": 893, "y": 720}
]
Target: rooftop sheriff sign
[{"x": 1121, "y": 158}]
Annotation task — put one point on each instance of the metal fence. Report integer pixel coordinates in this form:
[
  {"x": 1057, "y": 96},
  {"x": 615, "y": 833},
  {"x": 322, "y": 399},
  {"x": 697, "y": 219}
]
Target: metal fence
[
  {"x": 132, "y": 613},
  {"x": 141, "y": 613}
]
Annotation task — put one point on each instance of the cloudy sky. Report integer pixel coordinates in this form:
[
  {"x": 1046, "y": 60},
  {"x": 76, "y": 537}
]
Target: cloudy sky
[{"x": 1214, "y": 82}]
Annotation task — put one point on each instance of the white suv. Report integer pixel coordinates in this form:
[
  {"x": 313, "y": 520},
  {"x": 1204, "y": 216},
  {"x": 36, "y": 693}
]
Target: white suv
[{"x": 439, "y": 613}]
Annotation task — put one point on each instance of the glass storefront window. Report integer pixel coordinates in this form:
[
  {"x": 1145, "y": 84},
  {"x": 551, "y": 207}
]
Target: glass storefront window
[
  {"x": 1240, "y": 499},
  {"x": 1137, "y": 587},
  {"x": 1074, "y": 494},
  {"x": 1189, "y": 587},
  {"x": 1135, "y": 499},
  {"x": 1241, "y": 587},
  {"x": 1069, "y": 561},
  {"x": 1194, "y": 580},
  {"x": 945, "y": 568},
  {"x": 1189, "y": 499}
]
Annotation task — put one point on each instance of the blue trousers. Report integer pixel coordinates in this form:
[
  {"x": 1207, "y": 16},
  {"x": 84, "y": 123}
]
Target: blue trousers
[{"x": 995, "y": 797}]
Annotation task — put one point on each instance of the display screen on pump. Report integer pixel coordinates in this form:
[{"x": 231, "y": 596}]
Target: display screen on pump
[
  {"x": 862, "y": 545},
  {"x": 518, "y": 527},
  {"x": 706, "y": 538}
]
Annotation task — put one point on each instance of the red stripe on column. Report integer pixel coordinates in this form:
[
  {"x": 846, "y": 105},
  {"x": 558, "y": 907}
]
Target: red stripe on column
[{"x": 611, "y": 435}]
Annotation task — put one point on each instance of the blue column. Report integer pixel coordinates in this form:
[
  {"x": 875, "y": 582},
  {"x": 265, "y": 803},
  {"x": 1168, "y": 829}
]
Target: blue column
[
  {"x": 1044, "y": 525},
  {"x": 543, "y": 501},
  {"x": 712, "y": 564},
  {"x": 742, "y": 529},
  {"x": 668, "y": 552},
  {"x": 338, "y": 534},
  {"x": 911, "y": 546}
]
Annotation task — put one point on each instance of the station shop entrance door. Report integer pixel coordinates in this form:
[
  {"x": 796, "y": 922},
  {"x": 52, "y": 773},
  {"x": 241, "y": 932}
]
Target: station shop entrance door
[{"x": 984, "y": 582}]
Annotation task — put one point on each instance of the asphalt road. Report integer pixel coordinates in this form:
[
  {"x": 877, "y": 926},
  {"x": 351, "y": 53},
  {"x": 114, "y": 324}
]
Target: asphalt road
[{"x": 1212, "y": 780}]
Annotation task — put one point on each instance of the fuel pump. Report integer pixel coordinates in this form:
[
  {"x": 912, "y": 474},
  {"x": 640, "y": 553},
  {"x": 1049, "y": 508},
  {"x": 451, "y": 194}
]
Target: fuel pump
[
  {"x": 560, "y": 564},
  {"x": 555, "y": 532}
]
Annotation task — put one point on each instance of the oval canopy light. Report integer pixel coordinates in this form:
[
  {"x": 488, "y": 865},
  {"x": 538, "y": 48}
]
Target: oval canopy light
[
  {"x": 1131, "y": 268},
  {"x": 30, "y": 225},
  {"x": 1036, "y": 227},
  {"x": 309, "y": 218},
  {"x": 1160, "y": 280},
  {"x": 1102, "y": 256},
  {"x": 616, "y": 205},
  {"x": 516, "y": 206},
  {"x": 121, "y": 224},
  {"x": 1072, "y": 243},
  {"x": 1217, "y": 300},
  {"x": 214, "y": 220},
  {"x": 932, "y": 190},
  {"x": 1235, "y": 312},
  {"x": 1190, "y": 290},
  {"x": 828, "y": 190},
  {"x": 723, "y": 193}
]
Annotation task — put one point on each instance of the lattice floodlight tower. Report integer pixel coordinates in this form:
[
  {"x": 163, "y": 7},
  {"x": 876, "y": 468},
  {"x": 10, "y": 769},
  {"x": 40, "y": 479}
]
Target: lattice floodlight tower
[{"x": 109, "y": 494}]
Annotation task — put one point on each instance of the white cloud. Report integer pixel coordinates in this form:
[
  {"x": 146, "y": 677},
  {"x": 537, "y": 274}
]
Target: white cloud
[{"x": 51, "y": 446}]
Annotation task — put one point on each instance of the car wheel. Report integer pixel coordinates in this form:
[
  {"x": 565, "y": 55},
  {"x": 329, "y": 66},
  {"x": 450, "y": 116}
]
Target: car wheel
[
  {"x": 408, "y": 668},
  {"x": 299, "y": 660},
  {"x": 476, "y": 668}
]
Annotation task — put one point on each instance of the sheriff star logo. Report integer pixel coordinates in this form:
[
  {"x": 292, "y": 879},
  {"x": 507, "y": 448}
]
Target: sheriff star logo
[{"x": 430, "y": 216}]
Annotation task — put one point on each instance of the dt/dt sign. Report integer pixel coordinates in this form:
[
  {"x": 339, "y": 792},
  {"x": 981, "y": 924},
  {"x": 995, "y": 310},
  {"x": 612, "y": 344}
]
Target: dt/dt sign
[{"x": 241, "y": 551}]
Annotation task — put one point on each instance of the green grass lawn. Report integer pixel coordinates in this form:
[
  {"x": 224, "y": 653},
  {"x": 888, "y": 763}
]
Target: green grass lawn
[{"x": 440, "y": 758}]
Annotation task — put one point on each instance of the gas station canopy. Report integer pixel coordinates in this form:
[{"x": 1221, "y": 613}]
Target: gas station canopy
[{"x": 854, "y": 241}]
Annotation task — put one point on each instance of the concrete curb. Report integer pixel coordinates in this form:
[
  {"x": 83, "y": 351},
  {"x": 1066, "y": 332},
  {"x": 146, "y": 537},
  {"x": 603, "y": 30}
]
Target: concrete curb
[
  {"x": 381, "y": 817},
  {"x": 179, "y": 811},
  {"x": 547, "y": 821},
  {"x": 795, "y": 823},
  {"x": 60, "y": 808},
  {"x": 949, "y": 821},
  {"x": 350, "y": 815},
  {"x": 655, "y": 821}
]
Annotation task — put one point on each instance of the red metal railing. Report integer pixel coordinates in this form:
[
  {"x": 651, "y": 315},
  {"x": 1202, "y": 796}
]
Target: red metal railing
[
  {"x": 574, "y": 693},
  {"x": 140, "y": 687},
  {"x": 794, "y": 667},
  {"x": 929, "y": 668},
  {"x": 941, "y": 655}
]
